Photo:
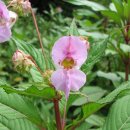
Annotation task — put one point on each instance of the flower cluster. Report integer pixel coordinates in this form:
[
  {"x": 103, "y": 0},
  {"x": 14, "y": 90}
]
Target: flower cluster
[
  {"x": 7, "y": 19},
  {"x": 68, "y": 54}
]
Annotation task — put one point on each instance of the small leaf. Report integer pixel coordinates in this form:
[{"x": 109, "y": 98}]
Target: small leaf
[
  {"x": 73, "y": 30},
  {"x": 97, "y": 50}
]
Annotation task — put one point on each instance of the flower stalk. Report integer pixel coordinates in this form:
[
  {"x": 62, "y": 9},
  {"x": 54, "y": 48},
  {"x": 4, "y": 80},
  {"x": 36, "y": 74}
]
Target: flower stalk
[{"x": 39, "y": 35}]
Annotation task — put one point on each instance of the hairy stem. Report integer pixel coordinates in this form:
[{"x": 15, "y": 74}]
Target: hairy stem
[{"x": 57, "y": 114}]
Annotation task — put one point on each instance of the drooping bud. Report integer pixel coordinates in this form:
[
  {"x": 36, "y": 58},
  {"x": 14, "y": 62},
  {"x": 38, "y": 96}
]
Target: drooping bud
[
  {"x": 26, "y": 5},
  {"x": 22, "y": 62},
  {"x": 22, "y": 6}
]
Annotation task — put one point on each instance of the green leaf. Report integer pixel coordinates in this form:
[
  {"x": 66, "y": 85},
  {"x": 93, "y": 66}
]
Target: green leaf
[
  {"x": 41, "y": 91},
  {"x": 18, "y": 106},
  {"x": 96, "y": 120},
  {"x": 34, "y": 52},
  {"x": 73, "y": 30},
  {"x": 87, "y": 110},
  {"x": 111, "y": 96},
  {"x": 93, "y": 107},
  {"x": 125, "y": 48},
  {"x": 112, "y": 15},
  {"x": 92, "y": 93},
  {"x": 16, "y": 124},
  {"x": 119, "y": 115},
  {"x": 119, "y": 7},
  {"x": 97, "y": 50},
  {"x": 36, "y": 76},
  {"x": 110, "y": 76},
  {"x": 95, "y": 6}
]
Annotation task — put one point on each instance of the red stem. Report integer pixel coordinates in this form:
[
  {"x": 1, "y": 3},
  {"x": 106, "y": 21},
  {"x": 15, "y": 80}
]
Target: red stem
[{"x": 57, "y": 114}]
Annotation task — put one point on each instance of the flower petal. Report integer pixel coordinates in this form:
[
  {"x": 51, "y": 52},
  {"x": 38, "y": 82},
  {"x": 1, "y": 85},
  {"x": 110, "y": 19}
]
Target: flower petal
[
  {"x": 69, "y": 46},
  {"x": 5, "y": 33},
  {"x": 4, "y": 13},
  {"x": 78, "y": 79},
  {"x": 66, "y": 80}
]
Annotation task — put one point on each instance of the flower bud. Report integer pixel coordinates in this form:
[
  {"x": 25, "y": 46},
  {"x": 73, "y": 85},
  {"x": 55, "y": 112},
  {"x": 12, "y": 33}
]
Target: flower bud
[
  {"x": 22, "y": 6},
  {"x": 26, "y": 5},
  {"x": 22, "y": 62}
]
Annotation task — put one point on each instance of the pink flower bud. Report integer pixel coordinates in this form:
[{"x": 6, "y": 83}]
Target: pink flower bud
[
  {"x": 26, "y": 5},
  {"x": 22, "y": 61}
]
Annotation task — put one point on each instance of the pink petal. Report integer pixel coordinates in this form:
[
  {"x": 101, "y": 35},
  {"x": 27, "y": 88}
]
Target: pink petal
[
  {"x": 69, "y": 46},
  {"x": 66, "y": 80},
  {"x": 4, "y": 13},
  {"x": 5, "y": 33}
]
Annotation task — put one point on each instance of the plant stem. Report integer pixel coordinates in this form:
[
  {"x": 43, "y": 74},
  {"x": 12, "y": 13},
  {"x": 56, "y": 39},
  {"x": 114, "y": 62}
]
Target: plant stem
[
  {"x": 57, "y": 114},
  {"x": 39, "y": 35},
  {"x": 127, "y": 62},
  {"x": 127, "y": 66},
  {"x": 64, "y": 116}
]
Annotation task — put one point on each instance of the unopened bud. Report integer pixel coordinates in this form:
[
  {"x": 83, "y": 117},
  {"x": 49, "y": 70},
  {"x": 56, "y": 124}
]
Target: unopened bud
[
  {"x": 22, "y": 61},
  {"x": 22, "y": 6},
  {"x": 26, "y": 5},
  {"x": 85, "y": 40}
]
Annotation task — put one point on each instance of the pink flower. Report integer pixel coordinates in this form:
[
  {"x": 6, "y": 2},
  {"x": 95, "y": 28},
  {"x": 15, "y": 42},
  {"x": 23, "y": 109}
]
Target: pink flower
[
  {"x": 69, "y": 53},
  {"x": 5, "y": 32},
  {"x": 5, "y": 22}
]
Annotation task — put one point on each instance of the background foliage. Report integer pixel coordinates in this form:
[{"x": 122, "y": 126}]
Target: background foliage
[{"x": 103, "y": 103}]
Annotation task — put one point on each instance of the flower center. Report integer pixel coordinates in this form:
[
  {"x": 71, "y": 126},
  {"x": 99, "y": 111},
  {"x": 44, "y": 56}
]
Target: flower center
[{"x": 68, "y": 63}]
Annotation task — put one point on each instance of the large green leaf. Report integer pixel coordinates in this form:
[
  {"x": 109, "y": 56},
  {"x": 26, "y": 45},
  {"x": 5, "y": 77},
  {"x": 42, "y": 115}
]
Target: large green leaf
[
  {"x": 97, "y": 50},
  {"x": 119, "y": 115},
  {"x": 34, "y": 52},
  {"x": 95, "y": 6},
  {"x": 18, "y": 107},
  {"x": 16, "y": 124},
  {"x": 41, "y": 91}
]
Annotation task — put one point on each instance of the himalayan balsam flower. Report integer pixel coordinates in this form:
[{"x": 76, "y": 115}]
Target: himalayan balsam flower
[
  {"x": 68, "y": 54},
  {"x": 7, "y": 18}
]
